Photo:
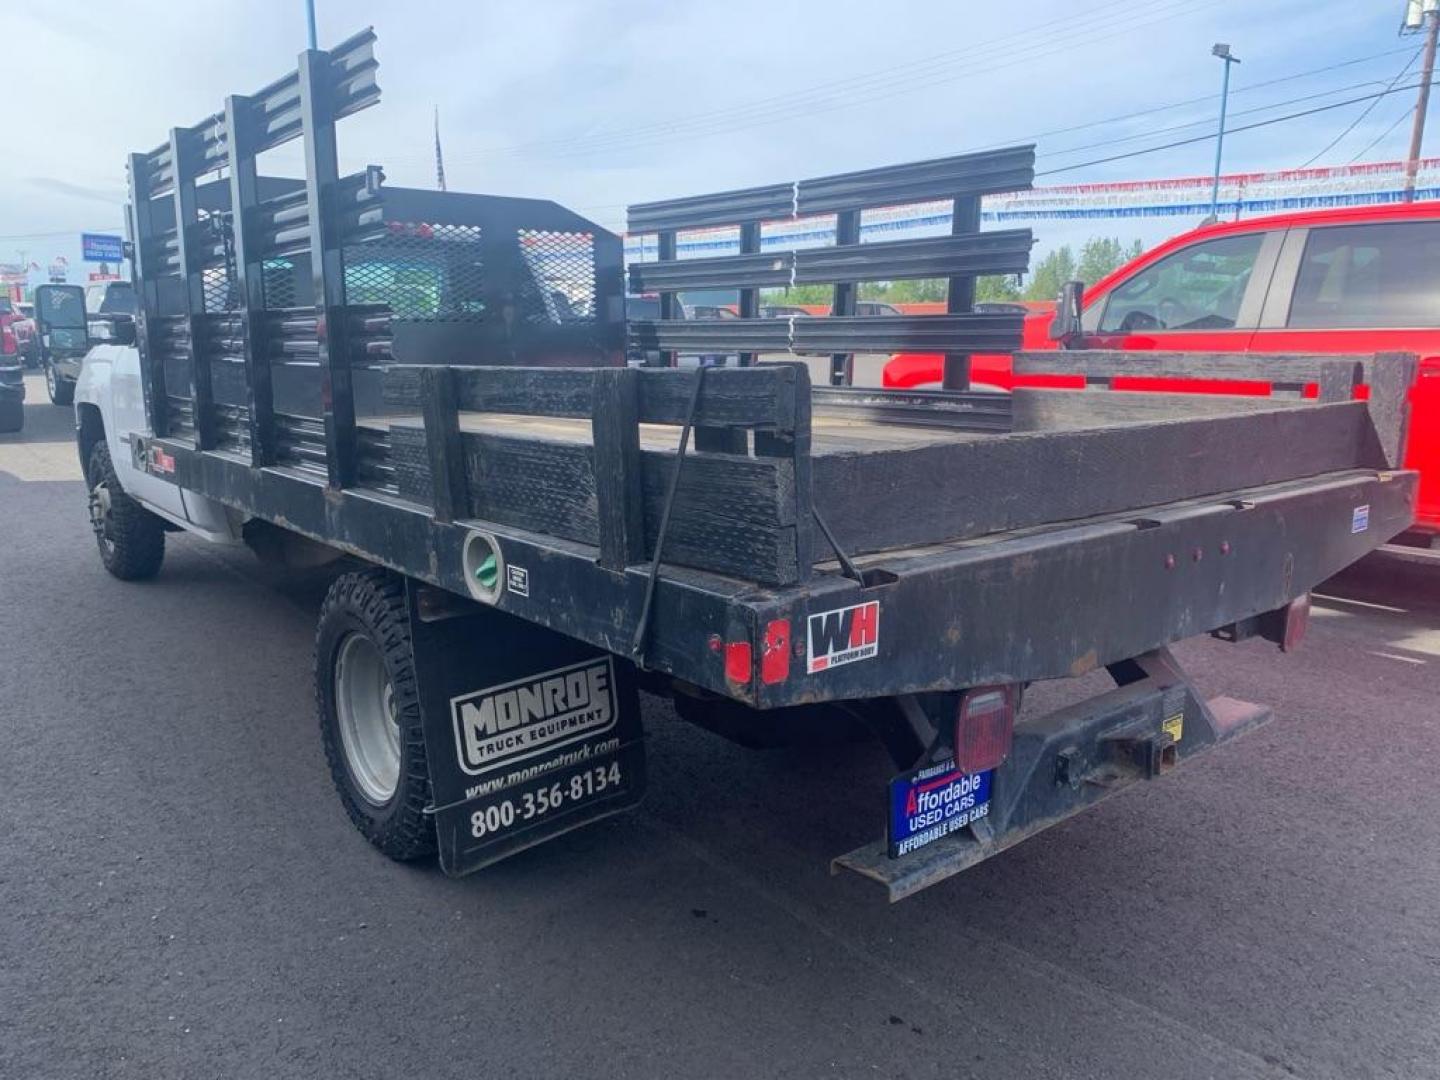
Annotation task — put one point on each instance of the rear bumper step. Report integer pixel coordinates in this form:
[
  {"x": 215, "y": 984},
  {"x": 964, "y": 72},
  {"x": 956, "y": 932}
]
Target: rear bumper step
[{"x": 1069, "y": 760}]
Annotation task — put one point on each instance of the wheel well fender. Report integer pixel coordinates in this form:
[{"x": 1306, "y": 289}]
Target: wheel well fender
[{"x": 89, "y": 430}]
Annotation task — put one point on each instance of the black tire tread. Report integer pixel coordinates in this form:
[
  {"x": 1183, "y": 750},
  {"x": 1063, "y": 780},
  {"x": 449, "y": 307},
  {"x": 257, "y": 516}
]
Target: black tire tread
[
  {"x": 373, "y": 601},
  {"x": 138, "y": 535},
  {"x": 12, "y": 416},
  {"x": 64, "y": 391}
]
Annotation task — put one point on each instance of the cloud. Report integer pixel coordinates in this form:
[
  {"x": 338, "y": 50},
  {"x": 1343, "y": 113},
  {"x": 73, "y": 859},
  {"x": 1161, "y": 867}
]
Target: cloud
[
  {"x": 110, "y": 196},
  {"x": 599, "y": 103}
]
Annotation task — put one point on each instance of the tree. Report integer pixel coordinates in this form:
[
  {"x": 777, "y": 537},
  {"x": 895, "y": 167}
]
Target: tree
[
  {"x": 1002, "y": 287},
  {"x": 1102, "y": 254},
  {"x": 1054, "y": 270},
  {"x": 799, "y": 294}
]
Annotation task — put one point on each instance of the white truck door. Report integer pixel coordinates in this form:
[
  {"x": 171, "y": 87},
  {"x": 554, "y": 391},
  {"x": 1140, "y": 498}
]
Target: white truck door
[{"x": 110, "y": 380}]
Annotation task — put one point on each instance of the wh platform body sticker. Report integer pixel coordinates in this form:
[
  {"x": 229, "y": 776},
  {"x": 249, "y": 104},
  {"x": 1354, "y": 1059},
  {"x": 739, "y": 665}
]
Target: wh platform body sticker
[
  {"x": 1360, "y": 519},
  {"x": 535, "y": 715},
  {"x": 842, "y": 636}
]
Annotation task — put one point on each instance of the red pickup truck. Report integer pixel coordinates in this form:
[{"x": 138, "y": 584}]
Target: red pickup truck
[{"x": 1352, "y": 280}]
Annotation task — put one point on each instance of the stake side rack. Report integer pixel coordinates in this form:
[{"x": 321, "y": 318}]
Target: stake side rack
[{"x": 446, "y": 377}]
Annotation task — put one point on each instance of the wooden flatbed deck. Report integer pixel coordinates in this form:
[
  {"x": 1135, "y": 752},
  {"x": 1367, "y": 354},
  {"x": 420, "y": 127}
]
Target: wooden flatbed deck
[{"x": 828, "y": 434}]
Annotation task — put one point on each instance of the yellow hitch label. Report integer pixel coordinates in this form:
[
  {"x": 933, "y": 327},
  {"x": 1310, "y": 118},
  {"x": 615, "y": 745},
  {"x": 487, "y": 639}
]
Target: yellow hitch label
[{"x": 1174, "y": 726}]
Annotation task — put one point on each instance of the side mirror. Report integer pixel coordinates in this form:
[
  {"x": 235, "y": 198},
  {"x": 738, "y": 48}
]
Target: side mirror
[
  {"x": 112, "y": 328},
  {"x": 60, "y": 318},
  {"x": 1065, "y": 327}
]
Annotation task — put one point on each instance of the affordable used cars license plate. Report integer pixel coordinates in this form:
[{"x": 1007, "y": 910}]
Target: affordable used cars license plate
[{"x": 932, "y": 802}]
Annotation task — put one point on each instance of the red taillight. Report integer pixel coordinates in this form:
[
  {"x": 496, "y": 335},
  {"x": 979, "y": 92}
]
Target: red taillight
[
  {"x": 984, "y": 727},
  {"x": 7, "y": 341},
  {"x": 1297, "y": 621},
  {"x": 737, "y": 662}
]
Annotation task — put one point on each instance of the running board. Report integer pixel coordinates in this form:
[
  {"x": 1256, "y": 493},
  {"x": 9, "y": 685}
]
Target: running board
[{"x": 1069, "y": 760}]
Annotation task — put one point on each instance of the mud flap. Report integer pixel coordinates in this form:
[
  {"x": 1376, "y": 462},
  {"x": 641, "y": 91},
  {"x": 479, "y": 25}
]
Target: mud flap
[{"x": 528, "y": 734}]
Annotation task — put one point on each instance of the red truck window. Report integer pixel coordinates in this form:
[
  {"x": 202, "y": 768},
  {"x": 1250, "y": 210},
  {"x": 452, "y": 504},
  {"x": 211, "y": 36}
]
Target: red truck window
[
  {"x": 1369, "y": 276},
  {"x": 1197, "y": 288}
]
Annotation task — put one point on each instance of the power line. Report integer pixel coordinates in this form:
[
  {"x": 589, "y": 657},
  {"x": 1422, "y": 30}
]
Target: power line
[
  {"x": 783, "y": 106},
  {"x": 1206, "y": 122},
  {"x": 1165, "y": 130},
  {"x": 661, "y": 133},
  {"x": 1204, "y": 98},
  {"x": 1364, "y": 113},
  {"x": 1398, "y": 121},
  {"x": 1228, "y": 131},
  {"x": 790, "y": 99},
  {"x": 800, "y": 105},
  {"x": 58, "y": 232}
]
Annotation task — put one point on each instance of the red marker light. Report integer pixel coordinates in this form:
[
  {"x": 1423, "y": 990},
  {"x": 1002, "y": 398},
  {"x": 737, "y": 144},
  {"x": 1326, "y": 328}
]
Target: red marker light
[
  {"x": 984, "y": 727},
  {"x": 775, "y": 655}
]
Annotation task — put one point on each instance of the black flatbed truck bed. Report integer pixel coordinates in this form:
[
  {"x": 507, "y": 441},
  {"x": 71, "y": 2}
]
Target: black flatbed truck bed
[{"x": 709, "y": 533}]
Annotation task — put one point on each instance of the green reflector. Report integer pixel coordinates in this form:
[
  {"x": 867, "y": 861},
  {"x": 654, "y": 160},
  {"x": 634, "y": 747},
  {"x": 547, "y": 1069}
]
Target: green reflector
[{"x": 487, "y": 572}]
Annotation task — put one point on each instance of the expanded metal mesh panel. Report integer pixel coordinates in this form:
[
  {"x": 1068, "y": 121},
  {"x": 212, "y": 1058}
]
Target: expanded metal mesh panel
[
  {"x": 218, "y": 282},
  {"x": 562, "y": 268},
  {"x": 421, "y": 272},
  {"x": 281, "y": 289}
]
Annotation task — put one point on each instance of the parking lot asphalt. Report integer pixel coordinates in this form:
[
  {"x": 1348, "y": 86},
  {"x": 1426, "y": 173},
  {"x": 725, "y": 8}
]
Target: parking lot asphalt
[{"x": 181, "y": 894}]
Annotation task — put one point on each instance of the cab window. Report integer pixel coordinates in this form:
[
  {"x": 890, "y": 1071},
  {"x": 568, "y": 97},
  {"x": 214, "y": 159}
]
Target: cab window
[
  {"x": 1369, "y": 276},
  {"x": 1197, "y": 288}
]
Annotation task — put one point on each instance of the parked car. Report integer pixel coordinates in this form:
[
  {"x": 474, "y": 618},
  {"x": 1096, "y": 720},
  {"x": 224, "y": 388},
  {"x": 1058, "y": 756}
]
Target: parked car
[
  {"x": 875, "y": 307},
  {"x": 710, "y": 311},
  {"x": 9, "y": 341},
  {"x": 110, "y": 298},
  {"x": 81, "y": 317},
  {"x": 648, "y": 307},
  {"x": 1352, "y": 280},
  {"x": 783, "y": 311},
  {"x": 12, "y": 373},
  {"x": 27, "y": 343}
]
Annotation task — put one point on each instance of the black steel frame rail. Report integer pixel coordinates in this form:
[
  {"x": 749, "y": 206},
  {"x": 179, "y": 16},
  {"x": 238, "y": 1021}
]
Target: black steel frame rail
[{"x": 1097, "y": 570}]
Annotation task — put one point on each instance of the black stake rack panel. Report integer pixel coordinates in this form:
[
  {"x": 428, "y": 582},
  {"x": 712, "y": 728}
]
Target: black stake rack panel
[
  {"x": 959, "y": 258},
  {"x": 269, "y": 307}
]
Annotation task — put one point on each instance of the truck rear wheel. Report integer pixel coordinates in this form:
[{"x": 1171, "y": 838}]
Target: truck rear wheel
[
  {"x": 369, "y": 710},
  {"x": 131, "y": 539},
  {"x": 60, "y": 389}
]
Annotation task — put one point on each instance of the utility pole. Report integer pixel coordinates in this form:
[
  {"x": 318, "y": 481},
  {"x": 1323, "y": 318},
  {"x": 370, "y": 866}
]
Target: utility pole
[
  {"x": 1418, "y": 13},
  {"x": 1223, "y": 52},
  {"x": 439, "y": 157},
  {"x": 310, "y": 21}
]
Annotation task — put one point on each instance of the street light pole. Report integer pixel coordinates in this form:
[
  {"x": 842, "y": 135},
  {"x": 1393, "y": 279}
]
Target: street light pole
[
  {"x": 1223, "y": 52},
  {"x": 310, "y": 21}
]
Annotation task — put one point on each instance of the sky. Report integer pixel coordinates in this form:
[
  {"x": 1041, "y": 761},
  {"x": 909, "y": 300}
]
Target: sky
[{"x": 600, "y": 103}]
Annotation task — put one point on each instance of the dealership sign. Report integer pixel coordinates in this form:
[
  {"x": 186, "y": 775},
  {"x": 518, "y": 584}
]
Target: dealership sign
[{"x": 99, "y": 247}]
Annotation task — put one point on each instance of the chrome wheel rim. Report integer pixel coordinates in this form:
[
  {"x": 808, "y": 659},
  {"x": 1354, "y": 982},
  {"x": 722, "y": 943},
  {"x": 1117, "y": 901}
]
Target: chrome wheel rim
[
  {"x": 100, "y": 515},
  {"x": 50, "y": 384},
  {"x": 369, "y": 724}
]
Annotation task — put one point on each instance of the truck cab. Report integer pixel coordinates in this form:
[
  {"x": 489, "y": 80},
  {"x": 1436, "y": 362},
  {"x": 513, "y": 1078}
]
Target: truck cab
[{"x": 1357, "y": 279}]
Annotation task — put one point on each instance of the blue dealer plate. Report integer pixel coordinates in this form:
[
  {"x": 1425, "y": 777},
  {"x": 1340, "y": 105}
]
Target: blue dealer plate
[{"x": 933, "y": 802}]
